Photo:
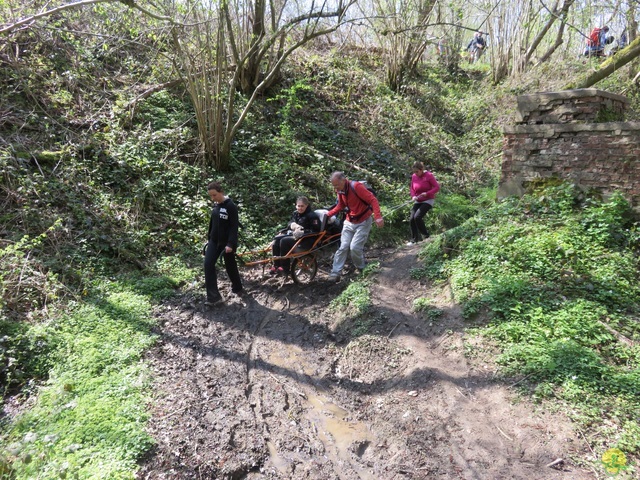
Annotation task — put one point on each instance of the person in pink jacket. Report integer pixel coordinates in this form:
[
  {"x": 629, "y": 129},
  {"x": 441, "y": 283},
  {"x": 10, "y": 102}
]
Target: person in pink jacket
[{"x": 424, "y": 187}]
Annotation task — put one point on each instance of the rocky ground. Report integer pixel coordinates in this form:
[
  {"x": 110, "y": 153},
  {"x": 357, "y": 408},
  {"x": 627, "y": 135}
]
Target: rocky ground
[{"x": 279, "y": 385}]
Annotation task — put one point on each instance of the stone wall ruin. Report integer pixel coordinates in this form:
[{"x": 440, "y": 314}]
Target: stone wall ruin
[{"x": 575, "y": 135}]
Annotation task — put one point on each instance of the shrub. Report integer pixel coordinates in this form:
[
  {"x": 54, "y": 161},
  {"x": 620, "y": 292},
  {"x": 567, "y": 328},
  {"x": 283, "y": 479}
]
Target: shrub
[{"x": 555, "y": 279}]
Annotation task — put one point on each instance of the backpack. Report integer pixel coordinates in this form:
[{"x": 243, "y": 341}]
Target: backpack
[
  {"x": 367, "y": 186},
  {"x": 594, "y": 37}
]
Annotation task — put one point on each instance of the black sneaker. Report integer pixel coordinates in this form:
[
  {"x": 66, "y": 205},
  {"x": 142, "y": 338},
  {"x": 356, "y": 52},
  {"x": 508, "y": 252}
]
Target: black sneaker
[{"x": 214, "y": 303}]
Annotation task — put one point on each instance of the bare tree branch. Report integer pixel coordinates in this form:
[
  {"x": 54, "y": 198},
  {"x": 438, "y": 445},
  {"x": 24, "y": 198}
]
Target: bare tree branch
[
  {"x": 562, "y": 15},
  {"x": 133, "y": 4},
  {"x": 559, "y": 41},
  {"x": 569, "y": 24},
  {"x": 33, "y": 18}
]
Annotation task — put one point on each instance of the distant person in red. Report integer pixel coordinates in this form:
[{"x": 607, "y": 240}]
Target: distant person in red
[
  {"x": 596, "y": 42},
  {"x": 424, "y": 187}
]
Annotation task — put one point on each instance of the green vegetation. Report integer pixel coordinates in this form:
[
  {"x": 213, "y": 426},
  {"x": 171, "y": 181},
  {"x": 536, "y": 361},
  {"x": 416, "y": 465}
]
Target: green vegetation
[
  {"x": 104, "y": 215},
  {"x": 353, "y": 306},
  {"x": 89, "y": 417},
  {"x": 430, "y": 312},
  {"x": 553, "y": 278},
  {"x": 356, "y": 296}
]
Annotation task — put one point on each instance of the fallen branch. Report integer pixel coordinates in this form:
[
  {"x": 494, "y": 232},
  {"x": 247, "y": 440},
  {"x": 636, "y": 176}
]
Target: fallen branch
[
  {"x": 619, "y": 60},
  {"x": 586, "y": 441},
  {"x": 555, "y": 462},
  {"x": 150, "y": 91},
  {"x": 445, "y": 336},
  {"x": 504, "y": 434},
  {"x": 284, "y": 384},
  {"x": 393, "y": 329},
  {"x": 618, "y": 335},
  {"x": 520, "y": 381}
]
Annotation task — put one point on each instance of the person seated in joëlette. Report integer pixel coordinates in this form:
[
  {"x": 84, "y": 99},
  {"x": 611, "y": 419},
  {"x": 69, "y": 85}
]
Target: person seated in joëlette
[{"x": 304, "y": 222}]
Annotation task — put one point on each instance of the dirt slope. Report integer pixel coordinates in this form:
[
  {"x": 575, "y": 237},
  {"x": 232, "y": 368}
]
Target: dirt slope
[{"x": 274, "y": 386}]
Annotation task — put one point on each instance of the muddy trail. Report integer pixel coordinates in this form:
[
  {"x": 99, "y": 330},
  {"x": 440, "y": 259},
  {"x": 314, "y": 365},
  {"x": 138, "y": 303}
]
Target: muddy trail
[{"x": 276, "y": 385}]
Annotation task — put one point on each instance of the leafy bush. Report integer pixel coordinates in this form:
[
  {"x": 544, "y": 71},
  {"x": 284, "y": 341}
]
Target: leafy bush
[
  {"x": 24, "y": 354},
  {"x": 26, "y": 285},
  {"x": 555, "y": 276}
]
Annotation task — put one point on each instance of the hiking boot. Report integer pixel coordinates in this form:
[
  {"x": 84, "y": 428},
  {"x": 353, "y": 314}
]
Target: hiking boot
[
  {"x": 334, "y": 277},
  {"x": 214, "y": 303},
  {"x": 359, "y": 270}
]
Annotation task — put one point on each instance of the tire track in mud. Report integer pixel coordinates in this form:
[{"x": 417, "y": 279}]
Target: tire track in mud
[
  {"x": 256, "y": 400},
  {"x": 320, "y": 423}
]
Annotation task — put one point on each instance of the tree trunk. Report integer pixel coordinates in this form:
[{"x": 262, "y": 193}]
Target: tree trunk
[
  {"x": 536, "y": 42},
  {"x": 609, "y": 66},
  {"x": 541, "y": 34},
  {"x": 632, "y": 33},
  {"x": 559, "y": 41},
  {"x": 403, "y": 37},
  {"x": 250, "y": 74}
]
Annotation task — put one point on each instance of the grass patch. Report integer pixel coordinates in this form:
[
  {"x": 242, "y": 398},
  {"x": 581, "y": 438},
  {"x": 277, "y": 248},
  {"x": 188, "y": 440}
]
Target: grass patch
[
  {"x": 431, "y": 312},
  {"x": 356, "y": 297},
  {"x": 353, "y": 306},
  {"x": 88, "y": 419}
]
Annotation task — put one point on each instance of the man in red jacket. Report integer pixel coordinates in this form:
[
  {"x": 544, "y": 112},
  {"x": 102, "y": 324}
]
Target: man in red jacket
[{"x": 362, "y": 207}]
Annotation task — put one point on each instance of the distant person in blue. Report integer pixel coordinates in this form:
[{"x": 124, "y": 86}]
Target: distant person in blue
[
  {"x": 476, "y": 47},
  {"x": 622, "y": 43},
  {"x": 623, "y": 40}
]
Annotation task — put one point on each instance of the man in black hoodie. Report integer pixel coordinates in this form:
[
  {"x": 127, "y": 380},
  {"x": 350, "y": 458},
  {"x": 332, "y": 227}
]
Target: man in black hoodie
[{"x": 223, "y": 239}]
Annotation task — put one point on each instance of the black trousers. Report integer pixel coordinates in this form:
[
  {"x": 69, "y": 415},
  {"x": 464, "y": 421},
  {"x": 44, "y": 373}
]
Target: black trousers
[
  {"x": 416, "y": 220},
  {"x": 282, "y": 245},
  {"x": 211, "y": 276}
]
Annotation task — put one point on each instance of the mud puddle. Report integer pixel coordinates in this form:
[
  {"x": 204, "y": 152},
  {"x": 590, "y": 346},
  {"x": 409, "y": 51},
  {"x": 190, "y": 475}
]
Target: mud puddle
[{"x": 341, "y": 435}]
